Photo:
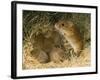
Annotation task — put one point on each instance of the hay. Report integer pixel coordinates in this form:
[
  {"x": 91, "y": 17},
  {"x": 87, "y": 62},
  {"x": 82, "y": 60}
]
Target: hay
[{"x": 30, "y": 62}]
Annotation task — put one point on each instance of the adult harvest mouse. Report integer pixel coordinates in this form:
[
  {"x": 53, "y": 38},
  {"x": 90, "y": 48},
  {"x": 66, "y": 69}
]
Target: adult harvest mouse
[{"x": 71, "y": 34}]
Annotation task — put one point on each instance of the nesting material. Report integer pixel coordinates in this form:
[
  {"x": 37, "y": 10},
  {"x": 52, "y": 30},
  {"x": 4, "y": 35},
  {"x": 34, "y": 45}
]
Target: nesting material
[{"x": 29, "y": 62}]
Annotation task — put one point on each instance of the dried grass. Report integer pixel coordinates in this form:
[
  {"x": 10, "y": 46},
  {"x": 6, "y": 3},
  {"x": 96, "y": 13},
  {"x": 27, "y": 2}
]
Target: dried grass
[{"x": 30, "y": 62}]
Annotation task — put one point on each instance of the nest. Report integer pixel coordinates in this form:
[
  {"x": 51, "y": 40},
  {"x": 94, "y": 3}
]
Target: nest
[{"x": 39, "y": 34}]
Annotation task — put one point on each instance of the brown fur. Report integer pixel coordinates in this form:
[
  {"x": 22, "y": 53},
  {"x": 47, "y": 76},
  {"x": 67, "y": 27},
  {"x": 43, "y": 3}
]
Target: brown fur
[
  {"x": 57, "y": 55},
  {"x": 71, "y": 34},
  {"x": 40, "y": 56}
]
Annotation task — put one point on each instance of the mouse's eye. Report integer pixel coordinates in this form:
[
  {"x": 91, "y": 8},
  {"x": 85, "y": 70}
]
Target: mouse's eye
[{"x": 62, "y": 24}]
